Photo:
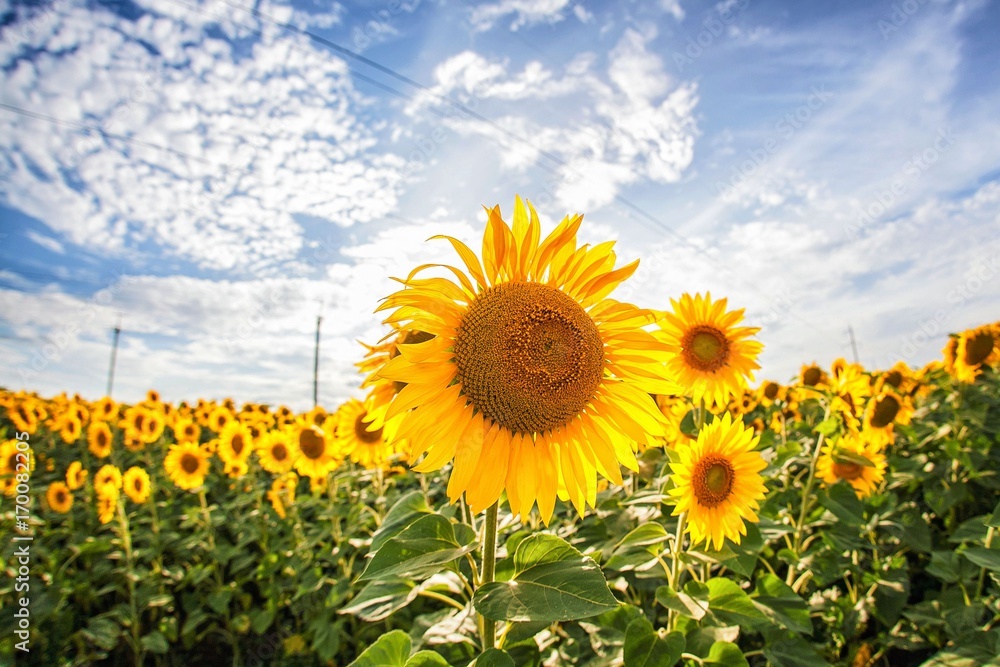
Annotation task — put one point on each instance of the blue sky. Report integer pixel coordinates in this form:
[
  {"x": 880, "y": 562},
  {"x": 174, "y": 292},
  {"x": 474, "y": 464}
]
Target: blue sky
[{"x": 218, "y": 173}]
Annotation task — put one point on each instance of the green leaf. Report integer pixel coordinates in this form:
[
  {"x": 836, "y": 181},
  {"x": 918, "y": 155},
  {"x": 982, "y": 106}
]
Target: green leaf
[
  {"x": 639, "y": 546},
  {"x": 494, "y": 657},
  {"x": 730, "y": 603},
  {"x": 781, "y": 604},
  {"x": 691, "y": 602},
  {"x": 407, "y": 509},
  {"x": 156, "y": 643},
  {"x": 378, "y": 599},
  {"x": 725, "y": 654},
  {"x": 745, "y": 559},
  {"x": 389, "y": 650},
  {"x": 983, "y": 557},
  {"x": 426, "y": 659},
  {"x": 945, "y": 566},
  {"x": 262, "y": 621},
  {"x": 421, "y": 549},
  {"x": 843, "y": 502},
  {"x": 994, "y": 519},
  {"x": 103, "y": 632},
  {"x": 973, "y": 530},
  {"x": 645, "y": 647},
  {"x": 688, "y": 425},
  {"x": 552, "y": 582},
  {"x": 827, "y": 427},
  {"x": 786, "y": 649}
]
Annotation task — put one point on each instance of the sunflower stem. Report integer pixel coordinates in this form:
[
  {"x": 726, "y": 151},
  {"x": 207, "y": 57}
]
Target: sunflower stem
[
  {"x": 982, "y": 572},
  {"x": 489, "y": 570},
  {"x": 675, "y": 569},
  {"x": 806, "y": 500}
]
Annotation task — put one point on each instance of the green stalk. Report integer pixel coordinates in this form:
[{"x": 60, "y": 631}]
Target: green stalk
[
  {"x": 489, "y": 571},
  {"x": 675, "y": 566},
  {"x": 806, "y": 500}
]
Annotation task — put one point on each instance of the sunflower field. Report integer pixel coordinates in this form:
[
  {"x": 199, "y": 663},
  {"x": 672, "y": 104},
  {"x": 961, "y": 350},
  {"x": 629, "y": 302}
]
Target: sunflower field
[{"x": 539, "y": 475}]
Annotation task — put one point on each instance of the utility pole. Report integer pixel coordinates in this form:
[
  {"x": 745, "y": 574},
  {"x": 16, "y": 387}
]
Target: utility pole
[
  {"x": 854, "y": 343},
  {"x": 319, "y": 319},
  {"x": 114, "y": 356}
]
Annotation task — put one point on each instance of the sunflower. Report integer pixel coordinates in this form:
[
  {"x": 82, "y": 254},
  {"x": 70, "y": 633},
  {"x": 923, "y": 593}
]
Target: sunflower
[
  {"x": 856, "y": 458},
  {"x": 219, "y": 419},
  {"x": 885, "y": 409},
  {"x": 24, "y": 417},
  {"x": 185, "y": 430},
  {"x": 717, "y": 482},
  {"x": 135, "y": 482},
  {"x": 811, "y": 375},
  {"x": 358, "y": 438},
  {"x": 70, "y": 429},
  {"x": 282, "y": 492},
  {"x": 13, "y": 460},
  {"x": 58, "y": 497},
  {"x": 850, "y": 389},
  {"x": 153, "y": 397},
  {"x": 186, "y": 465},
  {"x": 76, "y": 475},
  {"x": 975, "y": 349},
  {"x": 713, "y": 357},
  {"x": 770, "y": 393},
  {"x": 380, "y": 390},
  {"x": 318, "y": 485},
  {"x": 107, "y": 503},
  {"x": 99, "y": 439},
  {"x": 235, "y": 468},
  {"x": 316, "y": 454},
  {"x": 533, "y": 380},
  {"x": 277, "y": 452},
  {"x": 105, "y": 409},
  {"x": 108, "y": 476},
  {"x": 152, "y": 426},
  {"x": 235, "y": 443}
]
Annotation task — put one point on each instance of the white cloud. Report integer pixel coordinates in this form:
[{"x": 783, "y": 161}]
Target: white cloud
[
  {"x": 609, "y": 131},
  {"x": 47, "y": 242},
  {"x": 527, "y": 13},
  {"x": 256, "y": 133}
]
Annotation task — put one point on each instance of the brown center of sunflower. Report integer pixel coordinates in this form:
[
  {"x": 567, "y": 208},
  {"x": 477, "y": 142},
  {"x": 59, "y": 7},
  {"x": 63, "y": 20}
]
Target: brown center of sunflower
[
  {"x": 238, "y": 444},
  {"x": 138, "y": 484},
  {"x": 311, "y": 443},
  {"x": 705, "y": 348},
  {"x": 771, "y": 390},
  {"x": 364, "y": 435},
  {"x": 893, "y": 378},
  {"x": 190, "y": 463},
  {"x": 189, "y": 431},
  {"x": 102, "y": 439},
  {"x": 886, "y": 409},
  {"x": 713, "y": 480},
  {"x": 978, "y": 348},
  {"x": 848, "y": 471},
  {"x": 279, "y": 452},
  {"x": 60, "y": 496},
  {"x": 23, "y": 413},
  {"x": 529, "y": 356},
  {"x": 138, "y": 421},
  {"x": 812, "y": 376}
]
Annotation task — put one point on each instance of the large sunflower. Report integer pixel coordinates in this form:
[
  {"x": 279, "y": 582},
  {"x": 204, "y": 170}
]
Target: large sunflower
[
  {"x": 315, "y": 451},
  {"x": 357, "y": 437},
  {"x": 886, "y": 408},
  {"x": 135, "y": 483},
  {"x": 59, "y": 497},
  {"x": 717, "y": 482},
  {"x": 713, "y": 357},
  {"x": 856, "y": 458},
  {"x": 186, "y": 464},
  {"x": 99, "y": 440},
  {"x": 533, "y": 380}
]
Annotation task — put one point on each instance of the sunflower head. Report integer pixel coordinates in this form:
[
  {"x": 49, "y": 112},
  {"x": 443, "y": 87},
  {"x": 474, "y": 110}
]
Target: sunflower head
[
  {"x": 973, "y": 350},
  {"x": 277, "y": 452},
  {"x": 108, "y": 477},
  {"x": 528, "y": 377},
  {"x": 107, "y": 503},
  {"x": 99, "y": 439},
  {"x": 713, "y": 356},
  {"x": 316, "y": 453},
  {"x": 59, "y": 497},
  {"x": 187, "y": 465},
  {"x": 717, "y": 482},
  {"x": 235, "y": 442},
  {"x": 135, "y": 483},
  {"x": 76, "y": 475},
  {"x": 856, "y": 458}
]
